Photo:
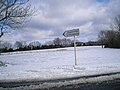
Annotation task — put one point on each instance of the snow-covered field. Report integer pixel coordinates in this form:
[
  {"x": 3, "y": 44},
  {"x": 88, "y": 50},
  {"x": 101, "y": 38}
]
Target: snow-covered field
[{"x": 59, "y": 63}]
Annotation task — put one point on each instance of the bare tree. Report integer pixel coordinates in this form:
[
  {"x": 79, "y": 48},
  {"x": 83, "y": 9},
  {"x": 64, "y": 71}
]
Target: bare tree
[
  {"x": 65, "y": 42},
  {"x": 57, "y": 41},
  {"x": 111, "y": 37},
  {"x": 35, "y": 44},
  {"x": 20, "y": 44},
  {"x": 116, "y": 24},
  {"x": 102, "y": 37},
  {"x": 5, "y": 45},
  {"x": 48, "y": 43},
  {"x": 13, "y": 14}
]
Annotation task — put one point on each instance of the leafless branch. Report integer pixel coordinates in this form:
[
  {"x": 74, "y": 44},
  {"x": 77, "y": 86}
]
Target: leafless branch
[{"x": 14, "y": 14}]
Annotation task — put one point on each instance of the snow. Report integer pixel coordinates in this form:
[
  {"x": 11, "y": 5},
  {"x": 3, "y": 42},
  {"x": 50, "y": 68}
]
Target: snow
[{"x": 59, "y": 63}]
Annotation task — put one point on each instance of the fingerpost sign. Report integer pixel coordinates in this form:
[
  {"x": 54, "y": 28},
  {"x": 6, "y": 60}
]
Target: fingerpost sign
[{"x": 69, "y": 33}]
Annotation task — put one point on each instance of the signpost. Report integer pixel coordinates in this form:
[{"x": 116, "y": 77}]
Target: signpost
[
  {"x": 73, "y": 32},
  {"x": 69, "y": 33}
]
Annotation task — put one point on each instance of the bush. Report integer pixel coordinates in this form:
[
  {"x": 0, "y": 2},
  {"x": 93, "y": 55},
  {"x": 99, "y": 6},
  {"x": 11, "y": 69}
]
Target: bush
[{"x": 2, "y": 64}]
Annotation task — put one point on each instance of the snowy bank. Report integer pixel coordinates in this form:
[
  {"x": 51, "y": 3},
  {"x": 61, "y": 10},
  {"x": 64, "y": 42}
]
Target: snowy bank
[{"x": 59, "y": 63}]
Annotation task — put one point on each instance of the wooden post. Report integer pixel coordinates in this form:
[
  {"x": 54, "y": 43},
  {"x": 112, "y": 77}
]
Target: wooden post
[
  {"x": 69, "y": 33},
  {"x": 75, "y": 49}
]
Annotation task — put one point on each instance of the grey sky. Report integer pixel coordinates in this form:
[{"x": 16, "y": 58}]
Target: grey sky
[{"x": 53, "y": 17}]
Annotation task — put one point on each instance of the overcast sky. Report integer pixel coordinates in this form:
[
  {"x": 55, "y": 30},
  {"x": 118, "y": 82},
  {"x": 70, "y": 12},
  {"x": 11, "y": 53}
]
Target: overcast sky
[{"x": 53, "y": 17}]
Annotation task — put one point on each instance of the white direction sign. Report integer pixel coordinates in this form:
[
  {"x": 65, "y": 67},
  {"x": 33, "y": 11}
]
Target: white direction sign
[{"x": 73, "y": 32}]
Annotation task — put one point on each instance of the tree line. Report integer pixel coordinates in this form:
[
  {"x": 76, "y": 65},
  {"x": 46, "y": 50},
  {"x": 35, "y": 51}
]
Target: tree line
[
  {"x": 111, "y": 38},
  {"x": 35, "y": 45}
]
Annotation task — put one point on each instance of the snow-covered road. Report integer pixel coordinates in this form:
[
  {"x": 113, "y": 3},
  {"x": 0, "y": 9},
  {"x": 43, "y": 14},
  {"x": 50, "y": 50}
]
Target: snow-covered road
[{"x": 59, "y": 63}]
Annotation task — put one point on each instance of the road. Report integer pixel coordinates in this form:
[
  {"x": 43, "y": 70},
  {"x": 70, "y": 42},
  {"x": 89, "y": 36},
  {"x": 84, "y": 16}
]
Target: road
[
  {"x": 110, "y": 81},
  {"x": 106, "y": 85}
]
